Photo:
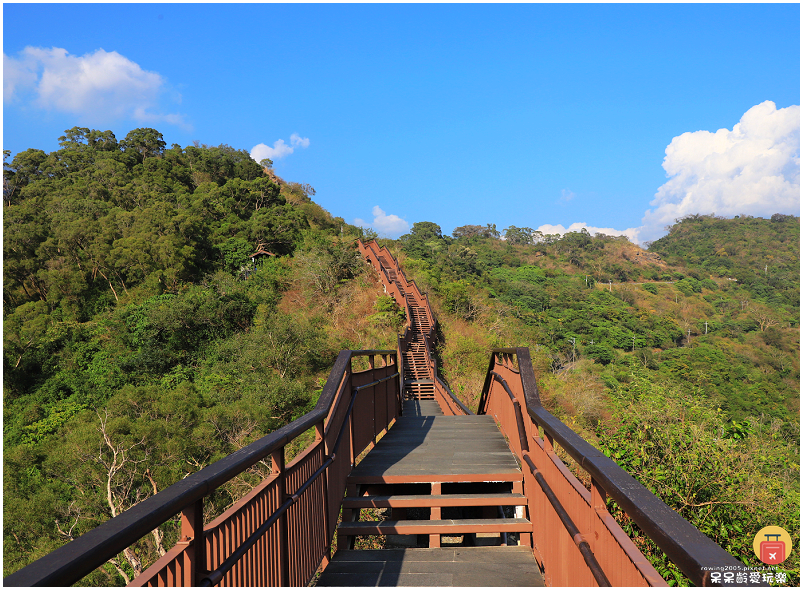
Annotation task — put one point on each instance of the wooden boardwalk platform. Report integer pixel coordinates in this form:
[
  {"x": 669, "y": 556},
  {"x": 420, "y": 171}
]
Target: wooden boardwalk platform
[
  {"x": 431, "y": 448},
  {"x": 421, "y": 407},
  {"x": 456, "y": 479},
  {"x": 461, "y": 566}
]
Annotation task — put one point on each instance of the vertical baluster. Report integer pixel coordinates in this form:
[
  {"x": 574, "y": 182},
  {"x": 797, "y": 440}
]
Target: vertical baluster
[
  {"x": 279, "y": 467},
  {"x": 248, "y": 557},
  {"x": 320, "y": 438},
  {"x": 273, "y": 545},
  {"x": 265, "y": 553},
  {"x": 350, "y": 431}
]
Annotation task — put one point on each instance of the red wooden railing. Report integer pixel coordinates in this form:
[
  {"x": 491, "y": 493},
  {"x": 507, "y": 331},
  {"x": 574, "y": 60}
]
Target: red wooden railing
[
  {"x": 278, "y": 534},
  {"x": 576, "y": 540}
]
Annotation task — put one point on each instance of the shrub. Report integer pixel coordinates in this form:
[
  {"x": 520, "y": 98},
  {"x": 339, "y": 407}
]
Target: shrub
[
  {"x": 650, "y": 288},
  {"x": 600, "y": 352},
  {"x": 389, "y": 313}
]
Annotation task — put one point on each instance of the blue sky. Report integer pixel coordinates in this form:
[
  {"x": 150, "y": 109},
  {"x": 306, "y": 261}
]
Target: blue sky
[{"x": 527, "y": 115}]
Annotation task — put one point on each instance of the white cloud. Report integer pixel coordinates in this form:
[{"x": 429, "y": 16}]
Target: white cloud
[
  {"x": 632, "y": 233},
  {"x": 279, "y": 149},
  {"x": 566, "y": 195},
  {"x": 298, "y": 141},
  {"x": 753, "y": 169},
  {"x": 390, "y": 225},
  {"x": 262, "y": 151},
  {"x": 18, "y": 74},
  {"x": 98, "y": 87}
]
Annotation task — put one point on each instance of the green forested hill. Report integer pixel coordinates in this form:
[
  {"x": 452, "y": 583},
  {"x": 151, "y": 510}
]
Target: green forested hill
[
  {"x": 141, "y": 343},
  {"x": 762, "y": 254}
]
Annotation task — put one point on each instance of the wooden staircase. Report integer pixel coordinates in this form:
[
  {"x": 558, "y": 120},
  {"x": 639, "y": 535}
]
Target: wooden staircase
[
  {"x": 452, "y": 474},
  {"x": 445, "y": 485},
  {"x": 417, "y": 367}
]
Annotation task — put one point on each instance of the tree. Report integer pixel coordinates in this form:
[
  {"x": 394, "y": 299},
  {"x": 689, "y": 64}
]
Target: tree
[
  {"x": 469, "y": 231},
  {"x": 145, "y": 142},
  {"x": 426, "y": 230},
  {"x": 26, "y": 167},
  {"x": 23, "y": 330},
  {"x": 765, "y": 317},
  {"x": 576, "y": 239},
  {"x": 116, "y": 300},
  {"x": 102, "y": 140},
  {"x": 518, "y": 235},
  {"x": 117, "y": 457},
  {"x": 325, "y": 264},
  {"x": 422, "y": 233}
]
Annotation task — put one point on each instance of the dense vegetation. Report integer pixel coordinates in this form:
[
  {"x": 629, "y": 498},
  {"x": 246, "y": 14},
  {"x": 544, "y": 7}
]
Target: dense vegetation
[
  {"x": 135, "y": 352},
  {"x": 685, "y": 375},
  {"x": 143, "y": 342}
]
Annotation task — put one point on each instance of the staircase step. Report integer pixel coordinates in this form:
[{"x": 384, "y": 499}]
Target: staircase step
[
  {"x": 435, "y": 527},
  {"x": 430, "y": 500}
]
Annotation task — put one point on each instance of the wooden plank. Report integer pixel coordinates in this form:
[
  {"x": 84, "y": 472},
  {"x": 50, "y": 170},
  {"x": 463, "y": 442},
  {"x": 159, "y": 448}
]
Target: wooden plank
[
  {"x": 457, "y": 448},
  {"x": 462, "y": 566},
  {"x": 443, "y": 500},
  {"x": 426, "y": 527},
  {"x": 419, "y": 408},
  {"x": 431, "y": 478}
]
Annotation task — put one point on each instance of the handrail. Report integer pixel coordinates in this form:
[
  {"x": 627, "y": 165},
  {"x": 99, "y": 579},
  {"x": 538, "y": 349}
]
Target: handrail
[
  {"x": 693, "y": 552},
  {"x": 563, "y": 515},
  {"x": 71, "y": 562},
  {"x": 214, "y": 577}
]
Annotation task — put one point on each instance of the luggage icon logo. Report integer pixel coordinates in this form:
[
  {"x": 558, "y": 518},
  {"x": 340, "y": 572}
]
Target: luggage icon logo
[{"x": 772, "y": 545}]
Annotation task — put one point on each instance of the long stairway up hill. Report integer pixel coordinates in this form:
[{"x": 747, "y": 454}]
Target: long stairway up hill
[
  {"x": 448, "y": 485},
  {"x": 415, "y": 348}
]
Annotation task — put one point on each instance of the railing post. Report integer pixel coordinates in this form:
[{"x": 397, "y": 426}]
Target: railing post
[
  {"x": 548, "y": 442},
  {"x": 351, "y": 434},
  {"x": 374, "y": 393},
  {"x": 320, "y": 439},
  {"x": 598, "y": 497},
  {"x": 435, "y": 541},
  {"x": 279, "y": 469},
  {"x": 192, "y": 532}
]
